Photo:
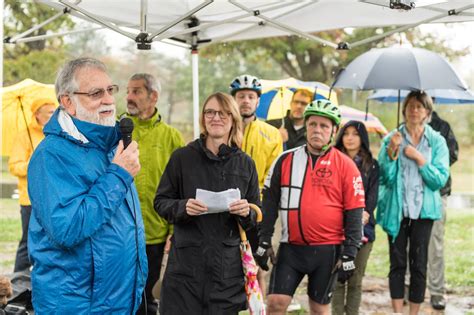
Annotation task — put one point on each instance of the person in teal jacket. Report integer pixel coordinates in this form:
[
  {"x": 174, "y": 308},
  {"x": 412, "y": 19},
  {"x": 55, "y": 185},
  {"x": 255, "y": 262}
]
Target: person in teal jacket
[
  {"x": 414, "y": 166},
  {"x": 86, "y": 240},
  {"x": 156, "y": 142}
]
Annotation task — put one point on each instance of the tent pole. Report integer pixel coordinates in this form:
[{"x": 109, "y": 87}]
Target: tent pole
[{"x": 195, "y": 67}]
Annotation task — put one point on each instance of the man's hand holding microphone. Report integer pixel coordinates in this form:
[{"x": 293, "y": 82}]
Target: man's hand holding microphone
[{"x": 126, "y": 155}]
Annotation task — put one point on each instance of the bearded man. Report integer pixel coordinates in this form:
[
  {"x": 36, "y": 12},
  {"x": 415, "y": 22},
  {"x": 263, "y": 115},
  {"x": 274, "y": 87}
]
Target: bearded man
[{"x": 86, "y": 237}]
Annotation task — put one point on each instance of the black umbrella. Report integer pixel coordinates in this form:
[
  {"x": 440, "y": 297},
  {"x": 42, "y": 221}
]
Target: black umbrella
[{"x": 399, "y": 68}]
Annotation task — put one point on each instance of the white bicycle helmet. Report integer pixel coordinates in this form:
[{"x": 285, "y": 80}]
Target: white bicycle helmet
[{"x": 245, "y": 82}]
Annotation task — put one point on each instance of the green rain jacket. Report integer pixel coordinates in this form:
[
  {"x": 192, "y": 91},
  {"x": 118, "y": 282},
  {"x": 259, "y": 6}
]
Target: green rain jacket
[
  {"x": 156, "y": 141},
  {"x": 435, "y": 173}
]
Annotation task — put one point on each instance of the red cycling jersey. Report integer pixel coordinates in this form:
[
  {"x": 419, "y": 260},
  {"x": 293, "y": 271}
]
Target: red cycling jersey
[{"x": 311, "y": 200}]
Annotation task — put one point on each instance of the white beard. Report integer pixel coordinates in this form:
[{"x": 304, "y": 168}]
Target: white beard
[{"x": 94, "y": 117}]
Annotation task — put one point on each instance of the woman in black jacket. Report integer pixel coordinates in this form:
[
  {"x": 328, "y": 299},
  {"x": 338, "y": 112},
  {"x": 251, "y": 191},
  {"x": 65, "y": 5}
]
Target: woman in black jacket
[
  {"x": 353, "y": 140},
  {"x": 204, "y": 273}
]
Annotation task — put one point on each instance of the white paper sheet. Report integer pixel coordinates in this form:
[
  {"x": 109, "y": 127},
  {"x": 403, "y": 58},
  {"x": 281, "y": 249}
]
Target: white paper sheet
[{"x": 217, "y": 201}]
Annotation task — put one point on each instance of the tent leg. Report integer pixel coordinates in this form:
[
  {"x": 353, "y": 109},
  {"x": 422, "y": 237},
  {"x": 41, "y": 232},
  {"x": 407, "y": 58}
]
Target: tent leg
[{"x": 195, "y": 67}]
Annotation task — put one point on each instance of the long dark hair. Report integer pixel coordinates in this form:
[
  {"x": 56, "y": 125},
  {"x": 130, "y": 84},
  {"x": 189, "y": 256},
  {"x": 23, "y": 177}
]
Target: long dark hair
[{"x": 364, "y": 158}]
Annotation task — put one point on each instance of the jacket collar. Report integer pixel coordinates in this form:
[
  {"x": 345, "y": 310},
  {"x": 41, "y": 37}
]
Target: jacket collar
[
  {"x": 82, "y": 132},
  {"x": 150, "y": 122},
  {"x": 224, "y": 153}
]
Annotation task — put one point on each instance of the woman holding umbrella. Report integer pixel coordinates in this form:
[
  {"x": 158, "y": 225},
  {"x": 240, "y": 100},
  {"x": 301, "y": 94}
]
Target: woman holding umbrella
[
  {"x": 414, "y": 166},
  {"x": 204, "y": 273},
  {"x": 353, "y": 140},
  {"x": 25, "y": 143}
]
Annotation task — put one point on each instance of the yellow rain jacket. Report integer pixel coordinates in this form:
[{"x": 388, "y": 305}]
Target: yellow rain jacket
[
  {"x": 264, "y": 144},
  {"x": 20, "y": 157}
]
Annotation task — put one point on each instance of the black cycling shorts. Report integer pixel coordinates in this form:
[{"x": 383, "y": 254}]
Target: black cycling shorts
[{"x": 296, "y": 261}]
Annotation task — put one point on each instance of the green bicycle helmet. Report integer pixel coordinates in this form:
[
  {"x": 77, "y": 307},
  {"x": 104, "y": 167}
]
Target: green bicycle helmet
[{"x": 324, "y": 108}]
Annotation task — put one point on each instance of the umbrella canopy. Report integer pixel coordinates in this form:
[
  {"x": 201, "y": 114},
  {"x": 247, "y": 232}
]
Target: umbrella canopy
[
  {"x": 372, "y": 123},
  {"x": 440, "y": 96},
  {"x": 250, "y": 267},
  {"x": 276, "y": 96},
  {"x": 399, "y": 68},
  {"x": 16, "y": 113}
]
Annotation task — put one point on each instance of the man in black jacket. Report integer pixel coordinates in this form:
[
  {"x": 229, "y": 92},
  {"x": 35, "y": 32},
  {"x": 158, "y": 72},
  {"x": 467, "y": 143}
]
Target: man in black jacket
[
  {"x": 436, "y": 283},
  {"x": 292, "y": 128}
]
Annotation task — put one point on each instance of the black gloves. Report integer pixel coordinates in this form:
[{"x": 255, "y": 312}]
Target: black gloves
[
  {"x": 346, "y": 268},
  {"x": 264, "y": 251}
]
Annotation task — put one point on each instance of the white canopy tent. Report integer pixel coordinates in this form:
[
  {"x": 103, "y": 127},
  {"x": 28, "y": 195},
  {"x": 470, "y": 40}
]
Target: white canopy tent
[{"x": 193, "y": 23}]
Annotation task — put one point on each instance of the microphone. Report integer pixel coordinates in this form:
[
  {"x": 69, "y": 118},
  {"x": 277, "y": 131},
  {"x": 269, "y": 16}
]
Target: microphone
[{"x": 126, "y": 128}]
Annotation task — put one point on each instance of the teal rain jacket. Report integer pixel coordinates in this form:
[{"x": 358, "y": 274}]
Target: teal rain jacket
[
  {"x": 86, "y": 239},
  {"x": 435, "y": 173}
]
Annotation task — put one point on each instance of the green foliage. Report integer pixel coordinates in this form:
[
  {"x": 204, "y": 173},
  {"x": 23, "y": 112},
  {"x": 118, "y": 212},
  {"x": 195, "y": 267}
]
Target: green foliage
[
  {"x": 37, "y": 65},
  {"x": 11, "y": 229},
  {"x": 38, "y": 60},
  {"x": 459, "y": 254},
  {"x": 20, "y": 16}
]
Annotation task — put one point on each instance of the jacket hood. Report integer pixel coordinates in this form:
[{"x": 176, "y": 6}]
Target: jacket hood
[
  {"x": 34, "y": 124},
  {"x": 224, "y": 153},
  {"x": 363, "y": 134},
  {"x": 102, "y": 137}
]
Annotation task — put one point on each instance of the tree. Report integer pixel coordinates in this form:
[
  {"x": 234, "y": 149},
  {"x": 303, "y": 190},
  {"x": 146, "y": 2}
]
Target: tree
[
  {"x": 309, "y": 61},
  {"x": 40, "y": 66},
  {"x": 38, "y": 60},
  {"x": 20, "y": 16}
]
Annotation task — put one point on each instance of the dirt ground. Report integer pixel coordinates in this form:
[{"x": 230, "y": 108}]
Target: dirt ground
[{"x": 376, "y": 299}]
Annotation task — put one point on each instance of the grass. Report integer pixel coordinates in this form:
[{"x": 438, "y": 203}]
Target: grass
[
  {"x": 462, "y": 172},
  {"x": 459, "y": 250}
]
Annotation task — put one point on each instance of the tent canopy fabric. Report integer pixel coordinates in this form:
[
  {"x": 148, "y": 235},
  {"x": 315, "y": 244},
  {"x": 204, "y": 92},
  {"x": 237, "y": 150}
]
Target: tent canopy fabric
[{"x": 228, "y": 20}]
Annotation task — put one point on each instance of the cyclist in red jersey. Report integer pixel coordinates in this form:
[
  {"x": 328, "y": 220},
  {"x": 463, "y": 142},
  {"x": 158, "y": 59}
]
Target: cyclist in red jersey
[{"x": 318, "y": 192}]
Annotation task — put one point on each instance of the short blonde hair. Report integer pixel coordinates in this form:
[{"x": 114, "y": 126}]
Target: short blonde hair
[
  {"x": 228, "y": 104},
  {"x": 305, "y": 93}
]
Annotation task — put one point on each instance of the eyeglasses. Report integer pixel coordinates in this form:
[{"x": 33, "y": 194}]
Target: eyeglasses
[
  {"x": 97, "y": 94},
  {"x": 211, "y": 113}
]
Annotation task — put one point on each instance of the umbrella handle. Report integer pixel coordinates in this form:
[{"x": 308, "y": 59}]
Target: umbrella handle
[
  {"x": 258, "y": 211},
  {"x": 243, "y": 235}
]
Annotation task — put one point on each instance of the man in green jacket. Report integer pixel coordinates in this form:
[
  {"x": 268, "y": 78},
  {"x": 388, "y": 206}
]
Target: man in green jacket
[{"x": 156, "y": 141}]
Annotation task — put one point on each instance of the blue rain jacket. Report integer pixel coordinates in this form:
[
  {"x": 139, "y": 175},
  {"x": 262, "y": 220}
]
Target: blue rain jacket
[
  {"x": 86, "y": 239},
  {"x": 435, "y": 173}
]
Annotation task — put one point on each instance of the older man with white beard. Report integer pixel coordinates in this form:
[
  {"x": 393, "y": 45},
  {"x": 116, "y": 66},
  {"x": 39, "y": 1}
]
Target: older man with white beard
[{"x": 86, "y": 238}]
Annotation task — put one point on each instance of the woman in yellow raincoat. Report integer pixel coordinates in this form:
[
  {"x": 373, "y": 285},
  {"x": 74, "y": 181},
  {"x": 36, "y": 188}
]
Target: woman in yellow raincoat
[{"x": 23, "y": 146}]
